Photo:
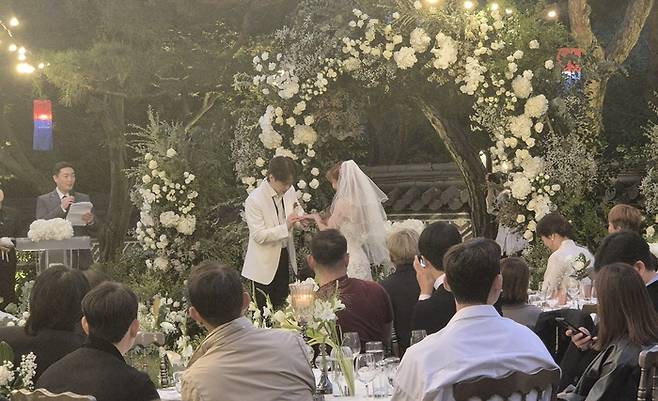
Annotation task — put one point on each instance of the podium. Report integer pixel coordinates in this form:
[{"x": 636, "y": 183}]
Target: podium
[{"x": 66, "y": 252}]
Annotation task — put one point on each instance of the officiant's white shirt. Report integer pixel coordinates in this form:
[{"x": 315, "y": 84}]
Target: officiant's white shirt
[
  {"x": 476, "y": 342},
  {"x": 560, "y": 263}
]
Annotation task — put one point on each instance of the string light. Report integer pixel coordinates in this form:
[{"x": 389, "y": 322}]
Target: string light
[
  {"x": 22, "y": 57},
  {"x": 551, "y": 14},
  {"x": 494, "y": 6},
  {"x": 508, "y": 11},
  {"x": 24, "y": 68},
  {"x": 13, "y": 22},
  {"x": 41, "y": 66},
  {"x": 21, "y": 50},
  {"x": 12, "y": 47},
  {"x": 468, "y": 4}
]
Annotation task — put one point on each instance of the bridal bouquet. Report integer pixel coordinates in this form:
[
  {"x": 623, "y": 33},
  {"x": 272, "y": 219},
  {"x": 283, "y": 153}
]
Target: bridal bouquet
[
  {"x": 15, "y": 378},
  {"x": 53, "y": 229},
  {"x": 580, "y": 267}
]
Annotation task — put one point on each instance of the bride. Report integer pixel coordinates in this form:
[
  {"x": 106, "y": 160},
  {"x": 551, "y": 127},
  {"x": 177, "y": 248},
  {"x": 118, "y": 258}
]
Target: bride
[{"x": 357, "y": 213}]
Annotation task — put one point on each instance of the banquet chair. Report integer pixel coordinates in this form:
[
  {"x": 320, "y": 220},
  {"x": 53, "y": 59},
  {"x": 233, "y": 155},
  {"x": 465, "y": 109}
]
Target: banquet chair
[
  {"x": 553, "y": 336},
  {"x": 45, "y": 395},
  {"x": 484, "y": 388},
  {"x": 649, "y": 377}
]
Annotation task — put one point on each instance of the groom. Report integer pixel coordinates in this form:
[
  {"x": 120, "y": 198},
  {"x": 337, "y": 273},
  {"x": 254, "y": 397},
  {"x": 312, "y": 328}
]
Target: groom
[{"x": 271, "y": 211}]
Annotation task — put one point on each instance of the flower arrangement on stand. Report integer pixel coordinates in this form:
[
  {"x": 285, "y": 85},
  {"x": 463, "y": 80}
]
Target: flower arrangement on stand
[
  {"x": 15, "y": 377},
  {"x": 53, "y": 229}
]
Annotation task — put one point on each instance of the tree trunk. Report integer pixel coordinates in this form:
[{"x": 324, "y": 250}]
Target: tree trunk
[
  {"x": 466, "y": 156},
  {"x": 118, "y": 214}
]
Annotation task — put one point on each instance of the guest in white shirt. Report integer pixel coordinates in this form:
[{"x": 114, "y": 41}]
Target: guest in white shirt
[
  {"x": 477, "y": 341},
  {"x": 556, "y": 233}
]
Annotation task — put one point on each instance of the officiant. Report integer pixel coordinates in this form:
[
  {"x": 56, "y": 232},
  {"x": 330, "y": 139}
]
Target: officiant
[
  {"x": 57, "y": 204},
  {"x": 9, "y": 228}
]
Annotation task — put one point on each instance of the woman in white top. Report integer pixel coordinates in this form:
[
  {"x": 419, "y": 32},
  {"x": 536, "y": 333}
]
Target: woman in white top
[{"x": 556, "y": 232}]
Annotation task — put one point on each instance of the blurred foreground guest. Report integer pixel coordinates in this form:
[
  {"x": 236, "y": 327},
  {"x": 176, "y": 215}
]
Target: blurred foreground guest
[
  {"x": 436, "y": 305},
  {"x": 624, "y": 218},
  {"x": 516, "y": 276},
  {"x": 477, "y": 341},
  {"x": 401, "y": 285},
  {"x": 627, "y": 324},
  {"x": 9, "y": 228},
  {"x": 98, "y": 368},
  {"x": 238, "y": 361},
  {"x": 556, "y": 233},
  {"x": 368, "y": 309},
  {"x": 53, "y": 328}
]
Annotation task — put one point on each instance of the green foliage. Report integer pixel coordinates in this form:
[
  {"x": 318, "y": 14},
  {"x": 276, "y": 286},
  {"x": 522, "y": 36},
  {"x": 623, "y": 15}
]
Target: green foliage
[
  {"x": 536, "y": 256},
  {"x": 6, "y": 353}
]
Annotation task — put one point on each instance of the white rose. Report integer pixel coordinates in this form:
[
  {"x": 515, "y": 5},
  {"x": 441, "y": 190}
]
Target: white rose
[
  {"x": 520, "y": 219},
  {"x": 512, "y": 67},
  {"x": 533, "y": 166},
  {"x": 522, "y": 87},
  {"x": 291, "y": 121},
  {"x": 534, "y": 44},
  {"x": 650, "y": 231},
  {"x": 146, "y": 179},
  {"x": 314, "y": 183},
  {"x": 306, "y": 197},
  {"x": 171, "y": 152},
  {"x": 309, "y": 120},
  {"x": 303, "y": 134},
  {"x": 539, "y": 127},
  {"x": 396, "y": 15},
  {"x": 405, "y": 57},
  {"x": 315, "y": 171},
  {"x": 301, "y": 184},
  {"x": 579, "y": 265},
  {"x": 161, "y": 263},
  {"x": 556, "y": 187},
  {"x": 187, "y": 225},
  {"x": 310, "y": 153},
  {"x": 418, "y": 5},
  {"x": 517, "y": 55},
  {"x": 153, "y": 164},
  {"x": 260, "y": 162},
  {"x": 148, "y": 157},
  {"x": 532, "y": 225},
  {"x": 528, "y": 235},
  {"x": 520, "y": 126},
  {"x": 536, "y": 106},
  {"x": 548, "y": 64},
  {"x": 248, "y": 181},
  {"x": 419, "y": 40},
  {"x": 520, "y": 186}
]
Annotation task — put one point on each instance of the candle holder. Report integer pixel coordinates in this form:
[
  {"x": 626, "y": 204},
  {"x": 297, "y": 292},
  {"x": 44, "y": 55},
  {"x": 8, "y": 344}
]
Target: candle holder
[{"x": 302, "y": 297}]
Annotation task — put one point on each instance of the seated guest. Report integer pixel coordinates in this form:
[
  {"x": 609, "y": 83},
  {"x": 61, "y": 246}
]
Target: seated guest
[
  {"x": 627, "y": 324},
  {"x": 477, "y": 341},
  {"x": 238, "y": 361},
  {"x": 401, "y": 285},
  {"x": 624, "y": 218},
  {"x": 98, "y": 368},
  {"x": 556, "y": 233},
  {"x": 368, "y": 309},
  {"x": 436, "y": 305},
  {"x": 516, "y": 276},
  {"x": 53, "y": 328}
]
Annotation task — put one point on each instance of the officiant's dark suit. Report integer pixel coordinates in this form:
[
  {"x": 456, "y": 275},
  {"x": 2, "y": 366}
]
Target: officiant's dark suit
[
  {"x": 434, "y": 313},
  {"x": 51, "y": 206},
  {"x": 9, "y": 227}
]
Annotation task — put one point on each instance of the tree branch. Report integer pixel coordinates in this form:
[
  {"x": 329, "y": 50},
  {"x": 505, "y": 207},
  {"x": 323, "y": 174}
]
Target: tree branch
[
  {"x": 629, "y": 31},
  {"x": 581, "y": 28},
  {"x": 209, "y": 100}
]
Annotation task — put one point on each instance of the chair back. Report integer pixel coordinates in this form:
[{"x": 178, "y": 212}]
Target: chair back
[
  {"x": 45, "y": 395},
  {"x": 553, "y": 335},
  {"x": 648, "y": 362},
  {"x": 522, "y": 383}
]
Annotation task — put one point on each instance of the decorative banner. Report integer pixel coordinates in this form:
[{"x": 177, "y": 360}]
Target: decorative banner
[
  {"x": 43, "y": 125},
  {"x": 569, "y": 59}
]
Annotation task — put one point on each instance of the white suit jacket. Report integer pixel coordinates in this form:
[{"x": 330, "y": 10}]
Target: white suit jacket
[{"x": 266, "y": 235}]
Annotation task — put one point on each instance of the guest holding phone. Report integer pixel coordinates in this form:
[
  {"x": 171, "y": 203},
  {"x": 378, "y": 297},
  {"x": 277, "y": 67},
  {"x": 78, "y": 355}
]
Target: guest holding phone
[{"x": 627, "y": 324}]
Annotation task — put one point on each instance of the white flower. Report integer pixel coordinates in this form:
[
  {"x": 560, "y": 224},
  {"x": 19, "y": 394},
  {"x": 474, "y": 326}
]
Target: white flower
[
  {"x": 517, "y": 55},
  {"x": 520, "y": 219},
  {"x": 301, "y": 184},
  {"x": 279, "y": 317},
  {"x": 512, "y": 67},
  {"x": 306, "y": 197},
  {"x": 146, "y": 218},
  {"x": 265, "y": 56},
  {"x": 6, "y": 374},
  {"x": 299, "y": 108},
  {"x": 650, "y": 231},
  {"x": 315, "y": 171},
  {"x": 171, "y": 152},
  {"x": 548, "y": 64},
  {"x": 520, "y": 126},
  {"x": 291, "y": 121},
  {"x": 536, "y": 106},
  {"x": 522, "y": 87},
  {"x": 285, "y": 152},
  {"x": 304, "y": 135},
  {"x": 445, "y": 53},
  {"x": 555, "y": 187},
  {"x": 314, "y": 183},
  {"x": 148, "y": 157},
  {"x": 146, "y": 179},
  {"x": 419, "y": 40},
  {"x": 540, "y": 205},
  {"x": 511, "y": 142},
  {"x": 186, "y": 226},
  {"x": 167, "y": 327},
  {"x": 351, "y": 64},
  {"x": 260, "y": 162},
  {"x": 52, "y": 229},
  {"x": 539, "y": 127},
  {"x": 405, "y": 57},
  {"x": 310, "y": 153},
  {"x": 532, "y": 225},
  {"x": 396, "y": 15},
  {"x": 269, "y": 137},
  {"x": 309, "y": 120},
  {"x": 520, "y": 186},
  {"x": 153, "y": 165},
  {"x": 248, "y": 181},
  {"x": 418, "y": 5},
  {"x": 528, "y": 235},
  {"x": 161, "y": 263},
  {"x": 534, "y": 44},
  {"x": 533, "y": 166}
]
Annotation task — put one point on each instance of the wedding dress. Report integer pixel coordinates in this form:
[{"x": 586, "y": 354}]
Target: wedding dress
[{"x": 357, "y": 212}]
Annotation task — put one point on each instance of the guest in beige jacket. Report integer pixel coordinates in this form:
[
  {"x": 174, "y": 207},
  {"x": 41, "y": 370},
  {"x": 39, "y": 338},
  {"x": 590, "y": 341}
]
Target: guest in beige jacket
[{"x": 238, "y": 361}]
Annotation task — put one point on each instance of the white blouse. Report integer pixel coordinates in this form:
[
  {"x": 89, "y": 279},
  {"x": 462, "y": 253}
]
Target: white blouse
[{"x": 560, "y": 263}]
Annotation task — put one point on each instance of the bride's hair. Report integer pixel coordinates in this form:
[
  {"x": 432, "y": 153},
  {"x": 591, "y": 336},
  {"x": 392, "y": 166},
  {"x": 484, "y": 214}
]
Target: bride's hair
[{"x": 334, "y": 172}]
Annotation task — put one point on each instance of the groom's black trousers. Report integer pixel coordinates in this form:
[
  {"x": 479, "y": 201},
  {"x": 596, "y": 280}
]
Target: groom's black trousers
[{"x": 278, "y": 288}]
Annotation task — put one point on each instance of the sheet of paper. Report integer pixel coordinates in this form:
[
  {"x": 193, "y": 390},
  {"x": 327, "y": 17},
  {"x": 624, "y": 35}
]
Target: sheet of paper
[{"x": 76, "y": 211}]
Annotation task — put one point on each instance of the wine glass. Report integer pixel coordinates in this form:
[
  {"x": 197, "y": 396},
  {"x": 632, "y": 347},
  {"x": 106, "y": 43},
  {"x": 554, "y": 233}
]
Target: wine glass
[
  {"x": 366, "y": 369},
  {"x": 573, "y": 289},
  {"x": 391, "y": 366},
  {"x": 376, "y": 348},
  {"x": 417, "y": 336},
  {"x": 351, "y": 339}
]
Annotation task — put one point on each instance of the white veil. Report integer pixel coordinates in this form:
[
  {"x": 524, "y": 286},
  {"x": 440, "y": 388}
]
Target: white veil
[{"x": 358, "y": 212}]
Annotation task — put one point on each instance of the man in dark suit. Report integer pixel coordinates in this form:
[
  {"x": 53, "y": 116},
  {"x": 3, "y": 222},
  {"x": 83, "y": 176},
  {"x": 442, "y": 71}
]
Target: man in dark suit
[
  {"x": 9, "y": 227},
  {"x": 57, "y": 203},
  {"x": 98, "y": 368},
  {"x": 436, "y": 305}
]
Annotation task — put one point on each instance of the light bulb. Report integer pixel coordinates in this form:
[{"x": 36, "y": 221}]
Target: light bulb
[
  {"x": 13, "y": 21},
  {"x": 24, "y": 68},
  {"x": 22, "y": 50},
  {"x": 551, "y": 14},
  {"x": 468, "y": 4},
  {"x": 22, "y": 57},
  {"x": 494, "y": 6},
  {"x": 41, "y": 66},
  {"x": 508, "y": 11},
  {"x": 12, "y": 47}
]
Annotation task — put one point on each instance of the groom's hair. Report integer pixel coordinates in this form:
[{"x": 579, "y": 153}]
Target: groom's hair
[
  {"x": 328, "y": 247},
  {"x": 282, "y": 168}
]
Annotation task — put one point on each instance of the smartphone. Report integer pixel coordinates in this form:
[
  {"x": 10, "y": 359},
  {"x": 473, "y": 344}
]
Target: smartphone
[
  {"x": 564, "y": 323},
  {"x": 421, "y": 260}
]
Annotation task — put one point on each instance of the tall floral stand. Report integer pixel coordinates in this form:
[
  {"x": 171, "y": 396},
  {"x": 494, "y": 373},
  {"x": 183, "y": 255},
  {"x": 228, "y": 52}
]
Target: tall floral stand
[{"x": 54, "y": 251}]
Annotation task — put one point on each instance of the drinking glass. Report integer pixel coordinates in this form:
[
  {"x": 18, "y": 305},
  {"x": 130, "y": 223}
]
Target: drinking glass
[
  {"x": 352, "y": 340},
  {"x": 391, "y": 367},
  {"x": 573, "y": 289},
  {"x": 366, "y": 370},
  {"x": 417, "y": 336},
  {"x": 586, "y": 289},
  {"x": 342, "y": 370},
  {"x": 376, "y": 348}
]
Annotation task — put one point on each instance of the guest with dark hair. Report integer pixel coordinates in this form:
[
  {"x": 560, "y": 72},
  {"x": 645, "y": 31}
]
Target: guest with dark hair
[
  {"x": 477, "y": 342},
  {"x": 236, "y": 359},
  {"x": 401, "y": 285},
  {"x": 368, "y": 309},
  {"x": 53, "y": 327},
  {"x": 9, "y": 228},
  {"x": 95, "y": 277},
  {"x": 514, "y": 299},
  {"x": 98, "y": 368},
  {"x": 627, "y": 324},
  {"x": 436, "y": 305},
  {"x": 624, "y": 218},
  {"x": 556, "y": 233}
]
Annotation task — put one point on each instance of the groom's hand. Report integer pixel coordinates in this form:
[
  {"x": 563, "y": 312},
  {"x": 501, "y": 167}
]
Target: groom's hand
[{"x": 292, "y": 219}]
